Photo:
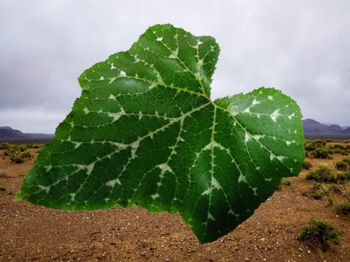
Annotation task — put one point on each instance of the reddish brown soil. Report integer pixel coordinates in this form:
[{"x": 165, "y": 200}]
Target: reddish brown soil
[{"x": 33, "y": 233}]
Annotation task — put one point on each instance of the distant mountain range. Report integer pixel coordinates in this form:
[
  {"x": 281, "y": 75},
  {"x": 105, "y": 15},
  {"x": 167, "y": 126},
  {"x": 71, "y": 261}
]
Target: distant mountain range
[
  {"x": 9, "y": 134},
  {"x": 312, "y": 129}
]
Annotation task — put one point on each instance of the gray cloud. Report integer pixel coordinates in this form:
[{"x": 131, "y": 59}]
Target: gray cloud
[{"x": 300, "y": 47}]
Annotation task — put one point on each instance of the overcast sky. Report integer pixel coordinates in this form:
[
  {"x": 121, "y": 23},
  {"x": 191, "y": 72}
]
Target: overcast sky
[{"x": 300, "y": 47}]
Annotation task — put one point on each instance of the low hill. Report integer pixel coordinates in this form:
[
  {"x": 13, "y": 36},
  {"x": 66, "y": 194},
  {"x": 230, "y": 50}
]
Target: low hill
[
  {"x": 315, "y": 129},
  {"x": 13, "y": 135},
  {"x": 312, "y": 129}
]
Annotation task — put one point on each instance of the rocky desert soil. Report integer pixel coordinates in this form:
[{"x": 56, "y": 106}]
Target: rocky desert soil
[{"x": 33, "y": 233}]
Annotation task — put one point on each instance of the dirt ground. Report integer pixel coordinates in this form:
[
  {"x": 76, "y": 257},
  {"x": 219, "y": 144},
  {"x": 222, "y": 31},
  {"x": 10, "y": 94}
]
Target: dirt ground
[{"x": 33, "y": 233}]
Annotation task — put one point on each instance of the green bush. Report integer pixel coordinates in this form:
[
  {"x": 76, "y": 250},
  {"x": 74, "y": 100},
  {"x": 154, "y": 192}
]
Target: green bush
[
  {"x": 26, "y": 154},
  {"x": 307, "y": 165},
  {"x": 4, "y": 146},
  {"x": 322, "y": 152},
  {"x": 340, "y": 149},
  {"x": 322, "y": 174},
  {"x": 21, "y": 148},
  {"x": 343, "y": 176},
  {"x": 320, "y": 232},
  {"x": 18, "y": 157},
  {"x": 10, "y": 151},
  {"x": 286, "y": 182},
  {"x": 343, "y": 208},
  {"x": 317, "y": 192},
  {"x": 311, "y": 145},
  {"x": 327, "y": 175},
  {"x": 346, "y": 160},
  {"x": 339, "y": 146},
  {"x": 335, "y": 189},
  {"x": 343, "y": 164}
]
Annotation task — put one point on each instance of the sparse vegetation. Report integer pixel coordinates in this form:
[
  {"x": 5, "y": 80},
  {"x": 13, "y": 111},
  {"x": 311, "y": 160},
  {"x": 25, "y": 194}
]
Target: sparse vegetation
[
  {"x": 319, "y": 232},
  {"x": 343, "y": 208},
  {"x": 332, "y": 181},
  {"x": 326, "y": 193},
  {"x": 16, "y": 153}
]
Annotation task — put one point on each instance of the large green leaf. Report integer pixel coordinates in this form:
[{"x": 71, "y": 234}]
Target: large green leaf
[{"x": 145, "y": 132}]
